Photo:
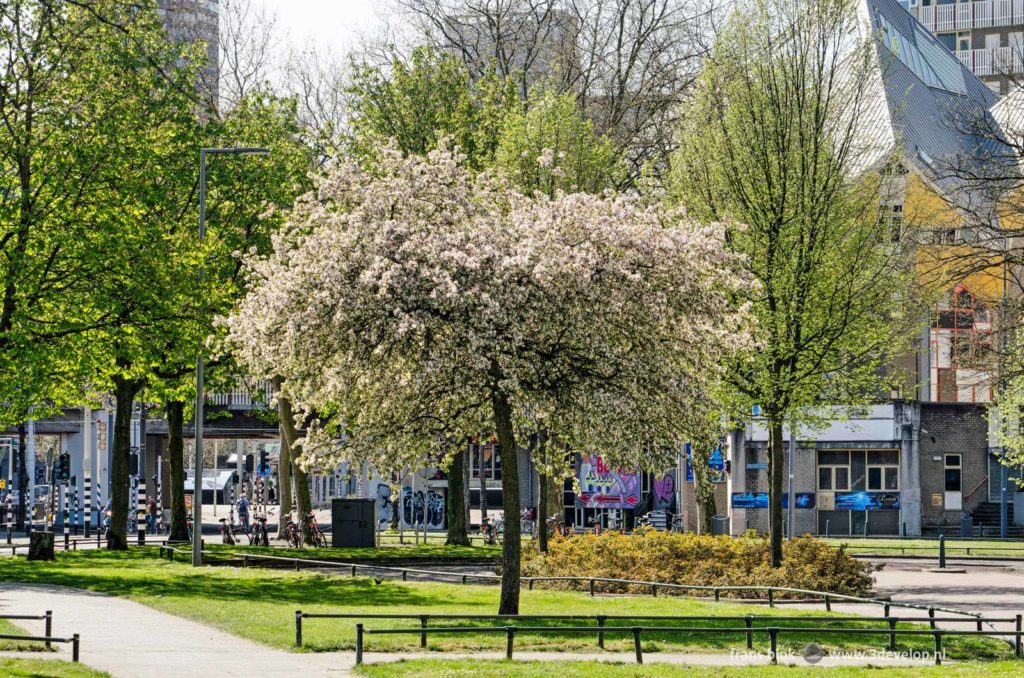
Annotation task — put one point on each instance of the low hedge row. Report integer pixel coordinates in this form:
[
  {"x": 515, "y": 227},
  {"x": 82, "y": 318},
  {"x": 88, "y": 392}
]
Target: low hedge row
[{"x": 685, "y": 558}]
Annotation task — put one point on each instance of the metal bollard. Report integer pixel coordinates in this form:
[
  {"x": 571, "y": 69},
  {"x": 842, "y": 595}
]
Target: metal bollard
[
  {"x": 718, "y": 595},
  {"x": 49, "y": 627},
  {"x": 942, "y": 551},
  {"x": 591, "y": 587},
  {"x": 931, "y": 617},
  {"x": 1017, "y": 638},
  {"x": 298, "y": 628},
  {"x": 828, "y": 604},
  {"x": 773, "y": 636},
  {"x": 423, "y": 633},
  {"x": 359, "y": 644},
  {"x": 405, "y": 576},
  {"x": 353, "y": 570},
  {"x": 510, "y": 632},
  {"x": 938, "y": 647},
  {"x": 654, "y": 590},
  {"x": 748, "y": 622},
  {"x": 771, "y": 597},
  {"x": 74, "y": 647},
  {"x": 600, "y": 632},
  {"x": 636, "y": 645},
  {"x": 892, "y": 636}
]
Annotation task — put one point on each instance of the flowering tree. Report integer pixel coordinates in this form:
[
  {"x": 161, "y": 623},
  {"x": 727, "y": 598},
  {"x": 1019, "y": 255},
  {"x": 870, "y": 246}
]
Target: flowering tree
[{"x": 414, "y": 304}]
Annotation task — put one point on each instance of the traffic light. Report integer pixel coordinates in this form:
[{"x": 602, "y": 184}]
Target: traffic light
[
  {"x": 263, "y": 456},
  {"x": 133, "y": 464},
  {"x": 64, "y": 467},
  {"x": 249, "y": 466}
]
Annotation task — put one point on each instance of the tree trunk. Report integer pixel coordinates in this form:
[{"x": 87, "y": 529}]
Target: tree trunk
[
  {"x": 302, "y": 498},
  {"x": 775, "y": 471},
  {"x": 704, "y": 489},
  {"x": 22, "y": 476},
  {"x": 483, "y": 487},
  {"x": 176, "y": 459},
  {"x": 291, "y": 437},
  {"x": 125, "y": 391},
  {"x": 284, "y": 475},
  {"x": 511, "y": 546},
  {"x": 457, "y": 535},
  {"x": 541, "y": 526}
]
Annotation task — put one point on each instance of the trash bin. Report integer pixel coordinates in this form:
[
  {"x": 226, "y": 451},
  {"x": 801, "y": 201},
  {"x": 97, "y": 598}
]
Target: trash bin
[
  {"x": 719, "y": 525},
  {"x": 966, "y": 526},
  {"x": 41, "y": 546}
]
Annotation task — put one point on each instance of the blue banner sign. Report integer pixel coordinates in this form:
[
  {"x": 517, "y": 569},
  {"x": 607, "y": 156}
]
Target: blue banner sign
[
  {"x": 867, "y": 501},
  {"x": 716, "y": 463},
  {"x": 756, "y": 500}
]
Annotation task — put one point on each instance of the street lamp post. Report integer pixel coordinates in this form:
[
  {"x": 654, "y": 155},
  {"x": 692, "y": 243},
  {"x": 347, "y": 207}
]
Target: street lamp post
[{"x": 197, "y": 485}]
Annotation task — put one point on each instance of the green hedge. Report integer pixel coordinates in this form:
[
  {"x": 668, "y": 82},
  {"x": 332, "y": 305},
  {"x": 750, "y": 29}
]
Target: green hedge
[{"x": 684, "y": 558}]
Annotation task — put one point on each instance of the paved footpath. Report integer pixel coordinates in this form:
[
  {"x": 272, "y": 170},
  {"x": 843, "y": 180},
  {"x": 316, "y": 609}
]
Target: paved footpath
[
  {"x": 996, "y": 590},
  {"x": 130, "y": 640}
]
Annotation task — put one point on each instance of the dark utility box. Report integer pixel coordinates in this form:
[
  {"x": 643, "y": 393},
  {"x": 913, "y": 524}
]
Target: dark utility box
[{"x": 352, "y": 522}]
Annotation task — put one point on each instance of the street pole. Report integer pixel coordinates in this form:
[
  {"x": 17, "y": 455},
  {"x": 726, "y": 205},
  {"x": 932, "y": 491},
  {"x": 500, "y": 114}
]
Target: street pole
[
  {"x": 1003, "y": 513},
  {"x": 87, "y": 468},
  {"x": 30, "y": 460},
  {"x": 1004, "y": 323},
  {"x": 197, "y": 496},
  {"x": 792, "y": 499}
]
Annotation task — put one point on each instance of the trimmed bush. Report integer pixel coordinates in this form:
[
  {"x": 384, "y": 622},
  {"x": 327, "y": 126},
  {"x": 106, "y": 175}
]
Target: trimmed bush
[{"x": 700, "y": 560}]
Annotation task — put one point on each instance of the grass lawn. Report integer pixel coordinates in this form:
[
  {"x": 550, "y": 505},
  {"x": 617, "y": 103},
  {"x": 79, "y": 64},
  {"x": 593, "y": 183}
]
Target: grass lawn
[
  {"x": 388, "y": 552},
  {"x": 260, "y": 604},
  {"x": 46, "y": 668},
  {"x": 8, "y": 628},
  {"x": 930, "y": 547},
  {"x": 440, "y": 668}
]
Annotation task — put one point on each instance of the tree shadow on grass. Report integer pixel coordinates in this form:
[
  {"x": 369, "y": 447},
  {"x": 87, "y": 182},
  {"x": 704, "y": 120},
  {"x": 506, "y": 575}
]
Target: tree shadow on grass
[{"x": 125, "y": 575}]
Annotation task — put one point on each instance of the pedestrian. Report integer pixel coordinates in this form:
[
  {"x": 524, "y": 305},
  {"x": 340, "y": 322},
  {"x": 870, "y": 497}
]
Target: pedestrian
[
  {"x": 243, "y": 512},
  {"x": 151, "y": 513}
]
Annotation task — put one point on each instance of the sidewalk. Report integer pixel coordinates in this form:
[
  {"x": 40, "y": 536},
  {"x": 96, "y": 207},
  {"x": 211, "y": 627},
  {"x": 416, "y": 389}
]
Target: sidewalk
[{"x": 130, "y": 640}]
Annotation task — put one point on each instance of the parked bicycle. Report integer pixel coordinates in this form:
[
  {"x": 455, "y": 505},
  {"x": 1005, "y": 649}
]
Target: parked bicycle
[
  {"x": 493, "y": 532},
  {"x": 227, "y": 532},
  {"x": 316, "y": 536},
  {"x": 292, "y": 535},
  {"x": 526, "y": 522},
  {"x": 258, "y": 535}
]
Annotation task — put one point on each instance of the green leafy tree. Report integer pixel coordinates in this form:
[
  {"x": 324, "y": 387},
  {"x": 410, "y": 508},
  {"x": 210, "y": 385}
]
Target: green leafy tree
[
  {"x": 417, "y": 101},
  {"x": 549, "y": 146},
  {"x": 771, "y": 140},
  {"x": 60, "y": 129}
]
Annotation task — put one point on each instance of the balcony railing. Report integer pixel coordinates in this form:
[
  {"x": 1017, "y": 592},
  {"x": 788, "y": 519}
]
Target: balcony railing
[
  {"x": 994, "y": 61},
  {"x": 963, "y": 16},
  {"x": 252, "y": 396}
]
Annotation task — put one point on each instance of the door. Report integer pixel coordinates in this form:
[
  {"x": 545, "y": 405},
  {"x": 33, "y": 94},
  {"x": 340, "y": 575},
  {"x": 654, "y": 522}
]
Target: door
[{"x": 953, "y": 495}]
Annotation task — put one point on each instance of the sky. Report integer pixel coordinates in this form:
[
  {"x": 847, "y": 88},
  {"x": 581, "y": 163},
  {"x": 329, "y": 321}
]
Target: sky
[{"x": 335, "y": 24}]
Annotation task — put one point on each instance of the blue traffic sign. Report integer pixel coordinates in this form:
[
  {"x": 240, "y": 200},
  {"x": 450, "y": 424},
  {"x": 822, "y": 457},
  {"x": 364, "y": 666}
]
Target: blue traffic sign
[{"x": 263, "y": 470}]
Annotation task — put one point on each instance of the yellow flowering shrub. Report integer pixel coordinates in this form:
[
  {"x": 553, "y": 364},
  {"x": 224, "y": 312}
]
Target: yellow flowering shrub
[{"x": 704, "y": 560}]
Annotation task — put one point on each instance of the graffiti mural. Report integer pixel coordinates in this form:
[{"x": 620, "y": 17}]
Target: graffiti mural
[
  {"x": 435, "y": 510},
  {"x": 416, "y": 505},
  {"x": 665, "y": 491},
  {"x": 384, "y": 506},
  {"x": 604, "y": 487}
]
